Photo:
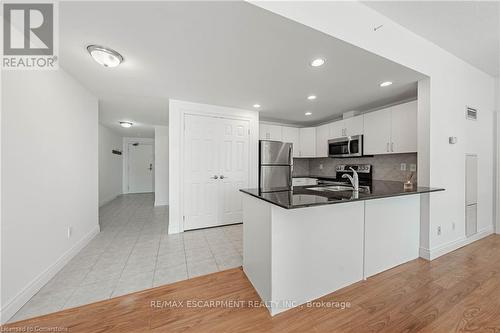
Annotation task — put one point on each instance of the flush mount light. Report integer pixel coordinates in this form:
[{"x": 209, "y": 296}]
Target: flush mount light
[
  {"x": 386, "y": 84},
  {"x": 317, "y": 62},
  {"x": 311, "y": 97},
  {"x": 125, "y": 124},
  {"x": 105, "y": 56},
  {"x": 256, "y": 106},
  {"x": 308, "y": 113}
]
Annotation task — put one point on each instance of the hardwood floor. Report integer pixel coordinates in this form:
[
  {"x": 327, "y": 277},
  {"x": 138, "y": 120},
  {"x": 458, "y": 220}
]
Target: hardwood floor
[{"x": 459, "y": 292}]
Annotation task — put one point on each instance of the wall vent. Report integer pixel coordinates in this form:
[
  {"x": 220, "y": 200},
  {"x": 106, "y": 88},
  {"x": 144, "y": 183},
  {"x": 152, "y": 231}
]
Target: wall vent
[{"x": 471, "y": 113}]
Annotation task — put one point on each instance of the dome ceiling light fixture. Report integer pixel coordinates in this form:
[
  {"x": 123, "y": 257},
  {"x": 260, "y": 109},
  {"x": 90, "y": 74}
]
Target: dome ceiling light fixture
[{"x": 105, "y": 56}]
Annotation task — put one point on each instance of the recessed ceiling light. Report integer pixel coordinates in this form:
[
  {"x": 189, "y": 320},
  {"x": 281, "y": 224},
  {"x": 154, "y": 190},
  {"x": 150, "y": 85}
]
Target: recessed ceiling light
[
  {"x": 386, "y": 83},
  {"x": 308, "y": 113},
  {"x": 256, "y": 106},
  {"x": 125, "y": 124},
  {"x": 311, "y": 97},
  {"x": 105, "y": 56},
  {"x": 318, "y": 62}
]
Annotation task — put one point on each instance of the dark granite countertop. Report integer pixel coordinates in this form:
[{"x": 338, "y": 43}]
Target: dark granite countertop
[{"x": 303, "y": 196}]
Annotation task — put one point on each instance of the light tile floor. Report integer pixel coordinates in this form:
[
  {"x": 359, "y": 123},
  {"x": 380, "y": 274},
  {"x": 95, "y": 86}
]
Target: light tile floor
[{"x": 134, "y": 252}]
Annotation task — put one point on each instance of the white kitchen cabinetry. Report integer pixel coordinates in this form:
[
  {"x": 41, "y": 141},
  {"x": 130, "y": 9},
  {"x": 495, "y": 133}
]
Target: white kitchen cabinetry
[
  {"x": 270, "y": 132},
  {"x": 336, "y": 129},
  {"x": 291, "y": 134},
  {"x": 404, "y": 128},
  {"x": 307, "y": 139},
  {"x": 322, "y": 137},
  {"x": 353, "y": 126},
  {"x": 304, "y": 181},
  {"x": 391, "y": 130},
  {"x": 377, "y": 135}
]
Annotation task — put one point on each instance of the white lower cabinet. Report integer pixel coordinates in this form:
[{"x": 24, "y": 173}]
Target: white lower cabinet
[{"x": 304, "y": 181}]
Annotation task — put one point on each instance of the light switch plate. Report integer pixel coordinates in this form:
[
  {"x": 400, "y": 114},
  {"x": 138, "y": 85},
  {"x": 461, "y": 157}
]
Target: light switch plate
[
  {"x": 403, "y": 166},
  {"x": 413, "y": 167}
]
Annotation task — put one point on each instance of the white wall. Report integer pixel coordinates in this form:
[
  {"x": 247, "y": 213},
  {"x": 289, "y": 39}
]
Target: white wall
[
  {"x": 49, "y": 179},
  {"x": 126, "y": 142},
  {"x": 453, "y": 85},
  {"x": 110, "y": 165},
  {"x": 177, "y": 110},
  {"x": 497, "y": 208},
  {"x": 161, "y": 165}
]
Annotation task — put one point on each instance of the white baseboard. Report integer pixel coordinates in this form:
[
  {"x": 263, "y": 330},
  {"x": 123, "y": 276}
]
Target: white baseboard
[
  {"x": 454, "y": 245},
  {"x": 7, "y": 311}
]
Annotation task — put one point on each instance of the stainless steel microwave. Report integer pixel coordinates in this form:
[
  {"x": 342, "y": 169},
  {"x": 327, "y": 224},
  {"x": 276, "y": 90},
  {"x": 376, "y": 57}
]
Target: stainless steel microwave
[{"x": 350, "y": 146}]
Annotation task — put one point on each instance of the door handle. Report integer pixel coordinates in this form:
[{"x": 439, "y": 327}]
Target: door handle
[
  {"x": 150, "y": 167},
  {"x": 392, "y": 146},
  {"x": 222, "y": 177},
  {"x": 215, "y": 177}
]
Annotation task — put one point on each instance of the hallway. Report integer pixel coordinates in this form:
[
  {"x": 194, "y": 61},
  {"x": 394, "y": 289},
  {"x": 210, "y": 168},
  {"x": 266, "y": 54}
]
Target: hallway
[{"x": 134, "y": 252}]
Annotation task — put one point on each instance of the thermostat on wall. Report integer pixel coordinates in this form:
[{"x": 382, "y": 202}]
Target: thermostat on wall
[{"x": 452, "y": 140}]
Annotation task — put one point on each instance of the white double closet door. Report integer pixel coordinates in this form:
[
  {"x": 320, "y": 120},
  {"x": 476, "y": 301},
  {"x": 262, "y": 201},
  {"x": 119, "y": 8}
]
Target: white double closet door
[{"x": 216, "y": 157}]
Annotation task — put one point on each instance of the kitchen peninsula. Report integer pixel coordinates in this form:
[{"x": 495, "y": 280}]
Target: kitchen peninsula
[{"x": 305, "y": 243}]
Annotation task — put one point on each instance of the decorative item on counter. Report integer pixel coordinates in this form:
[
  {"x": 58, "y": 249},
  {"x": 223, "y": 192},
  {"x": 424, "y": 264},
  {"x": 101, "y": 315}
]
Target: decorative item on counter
[{"x": 408, "y": 185}]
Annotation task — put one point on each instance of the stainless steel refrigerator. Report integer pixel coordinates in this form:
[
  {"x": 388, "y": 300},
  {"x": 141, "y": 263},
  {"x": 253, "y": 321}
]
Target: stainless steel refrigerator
[{"x": 275, "y": 172}]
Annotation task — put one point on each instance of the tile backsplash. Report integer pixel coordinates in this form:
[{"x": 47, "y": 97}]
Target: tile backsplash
[{"x": 385, "y": 167}]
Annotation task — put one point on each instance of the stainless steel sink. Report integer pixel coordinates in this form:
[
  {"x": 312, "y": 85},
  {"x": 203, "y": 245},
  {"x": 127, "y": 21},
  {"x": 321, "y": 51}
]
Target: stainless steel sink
[{"x": 336, "y": 188}]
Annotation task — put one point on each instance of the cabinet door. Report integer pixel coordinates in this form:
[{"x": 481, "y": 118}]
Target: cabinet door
[
  {"x": 336, "y": 129},
  {"x": 404, "y": 128},
  {"x": 322, "y": 137},
  {"x": 307, "y": 138},
  {"x": 291, "y": 134},
  {"x": 377, "y": 136},
  {"x": 354, "y": 126},
  {"x": 270, "y": 132}
]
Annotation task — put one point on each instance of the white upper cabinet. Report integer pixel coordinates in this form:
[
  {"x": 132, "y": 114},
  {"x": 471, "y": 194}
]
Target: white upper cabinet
[
  {"x": 322, "y": 137},
  {"x": 404, "y": 128},
  {"x": 291, "y": 134},
  {"x": 336, "y": 129},
  {"x": 391, "y": 130},
  {"x": 346, "y": 127},
  {"x": 353, "y": 126},
  {"x": 270, "y": 132},
  {"x": 307, "y": 138},
  {"x": 377, "y": 135}
]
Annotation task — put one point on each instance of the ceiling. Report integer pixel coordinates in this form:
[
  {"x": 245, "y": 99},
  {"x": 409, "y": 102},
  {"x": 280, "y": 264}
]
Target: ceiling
[
  {"x": 468, "y": 29},
  {"x": 224, "y": 53}
]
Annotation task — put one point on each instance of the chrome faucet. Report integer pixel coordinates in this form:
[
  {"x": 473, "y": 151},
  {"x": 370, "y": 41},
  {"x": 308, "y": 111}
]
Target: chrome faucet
[{"x": 354, "y": 179}]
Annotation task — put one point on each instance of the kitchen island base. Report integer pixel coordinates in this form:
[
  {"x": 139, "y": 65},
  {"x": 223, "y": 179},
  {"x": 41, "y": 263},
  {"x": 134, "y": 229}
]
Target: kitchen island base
[{"x": 294, "y": 256}]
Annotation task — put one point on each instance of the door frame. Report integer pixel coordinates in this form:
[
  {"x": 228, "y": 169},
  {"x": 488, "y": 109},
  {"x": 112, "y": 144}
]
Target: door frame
[
  {"x": 126, "y": 142},
  {"x": 177, "y": 112}
]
